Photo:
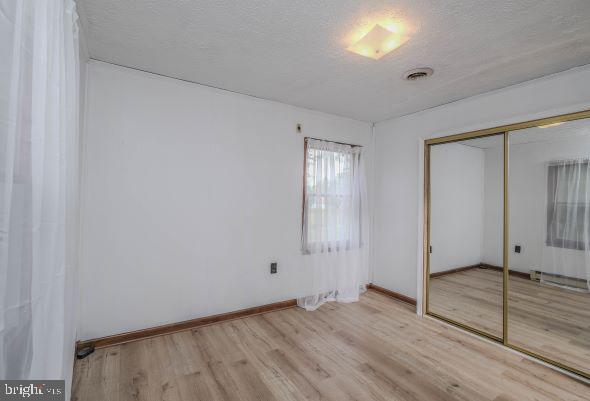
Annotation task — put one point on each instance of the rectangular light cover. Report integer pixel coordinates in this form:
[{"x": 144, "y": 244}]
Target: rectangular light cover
[{"x": 377, "y": 43}]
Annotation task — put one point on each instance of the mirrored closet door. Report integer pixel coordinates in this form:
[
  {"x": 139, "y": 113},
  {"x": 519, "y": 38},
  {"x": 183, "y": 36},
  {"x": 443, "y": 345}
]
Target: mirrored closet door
[
  {"x": 549, "y": 198},
  {"x": 507, "y": 236},
  {"x": 466, "y": 208}
]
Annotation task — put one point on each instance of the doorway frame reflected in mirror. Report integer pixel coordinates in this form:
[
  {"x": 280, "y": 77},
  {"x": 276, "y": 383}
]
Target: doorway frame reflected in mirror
[{"x": 506, "y": 131}]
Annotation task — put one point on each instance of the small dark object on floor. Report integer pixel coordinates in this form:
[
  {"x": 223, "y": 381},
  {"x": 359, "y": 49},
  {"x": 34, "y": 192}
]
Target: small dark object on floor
[{"x": 84, "y": 352}]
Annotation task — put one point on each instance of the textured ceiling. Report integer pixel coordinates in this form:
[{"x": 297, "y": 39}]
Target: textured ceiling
[{"x": 294, "y": 51}]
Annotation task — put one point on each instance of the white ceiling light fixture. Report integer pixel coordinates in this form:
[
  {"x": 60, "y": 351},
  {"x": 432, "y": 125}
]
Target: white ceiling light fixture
[
  {"x": 379, "y": 41},
  {"x": 418, "y": 73}
]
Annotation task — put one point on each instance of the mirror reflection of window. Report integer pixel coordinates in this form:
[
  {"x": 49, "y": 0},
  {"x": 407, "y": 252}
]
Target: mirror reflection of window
[
  {"x": 549, "y": 198},
  {"x": 568, "y": 204}
]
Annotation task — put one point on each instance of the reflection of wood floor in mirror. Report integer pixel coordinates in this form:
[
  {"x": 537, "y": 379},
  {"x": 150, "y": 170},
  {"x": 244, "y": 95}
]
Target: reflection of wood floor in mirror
[
  {"x": 547, "y": 320},
  {"x": 375, "y": 349}
]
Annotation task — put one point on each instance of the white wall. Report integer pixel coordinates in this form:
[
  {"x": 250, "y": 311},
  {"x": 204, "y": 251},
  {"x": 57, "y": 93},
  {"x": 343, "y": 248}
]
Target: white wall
[
  {"x": 189, "y": 193},
  {"x": 398, "y": 187},
  {"x": 493, "y": 235},
  {"x": 457, "y": 205},
  {"x": 528, "y": 194}
]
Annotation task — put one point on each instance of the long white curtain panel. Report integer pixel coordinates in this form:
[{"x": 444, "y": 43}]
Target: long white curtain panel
[
  {"x": 335, "y": 235},
  {"x": 39, "y": 81}
]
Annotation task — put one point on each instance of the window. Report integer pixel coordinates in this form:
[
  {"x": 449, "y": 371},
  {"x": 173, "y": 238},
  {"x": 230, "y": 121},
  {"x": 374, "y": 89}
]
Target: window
[
  {"x": 331, "y": 197},
  {"x": 568, "y": 206}
]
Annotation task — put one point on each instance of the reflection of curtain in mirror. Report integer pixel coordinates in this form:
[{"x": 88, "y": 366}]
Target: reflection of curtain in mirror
[{"x": 566, "y": 259}]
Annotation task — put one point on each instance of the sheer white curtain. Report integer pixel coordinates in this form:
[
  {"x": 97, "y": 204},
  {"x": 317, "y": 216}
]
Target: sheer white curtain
[
  {"x": 566, "y": 258},
  {"x": 38, "y": 117},
  {"x": 335, "y": 224}
]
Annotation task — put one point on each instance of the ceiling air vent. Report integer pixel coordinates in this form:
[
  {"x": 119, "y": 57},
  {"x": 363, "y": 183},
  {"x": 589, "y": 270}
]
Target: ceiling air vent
[{"x": 418, "y": 73}]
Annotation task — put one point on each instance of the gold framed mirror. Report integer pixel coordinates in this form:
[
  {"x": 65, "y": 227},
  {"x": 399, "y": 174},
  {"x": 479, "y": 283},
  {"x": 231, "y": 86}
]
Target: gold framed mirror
[{"x": 507, "y": 236}]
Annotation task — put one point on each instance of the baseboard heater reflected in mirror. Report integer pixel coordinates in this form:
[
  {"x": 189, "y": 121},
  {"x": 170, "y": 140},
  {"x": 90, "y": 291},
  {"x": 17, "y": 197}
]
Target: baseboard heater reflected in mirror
[
  {"x": 507, "y": 236},
  {"x": 560, "y": 280}
]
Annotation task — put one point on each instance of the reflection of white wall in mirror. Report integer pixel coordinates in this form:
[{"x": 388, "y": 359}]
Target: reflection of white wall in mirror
[
  {"x": 528, "y": 191},
  {"x": 493, "y": 236},
  {"x": 456, "y": 206}
]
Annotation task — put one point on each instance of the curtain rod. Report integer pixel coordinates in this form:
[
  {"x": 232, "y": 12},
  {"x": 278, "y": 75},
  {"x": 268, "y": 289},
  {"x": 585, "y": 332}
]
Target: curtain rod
[
  {"x": 572, "y": 161},
  {"x": 339, "y": 143}
]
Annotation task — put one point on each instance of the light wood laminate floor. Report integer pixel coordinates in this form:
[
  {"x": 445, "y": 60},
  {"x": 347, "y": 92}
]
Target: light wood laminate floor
[
  {"x": 550, "y": 321},
  {"x": 375, "y": 349}
]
